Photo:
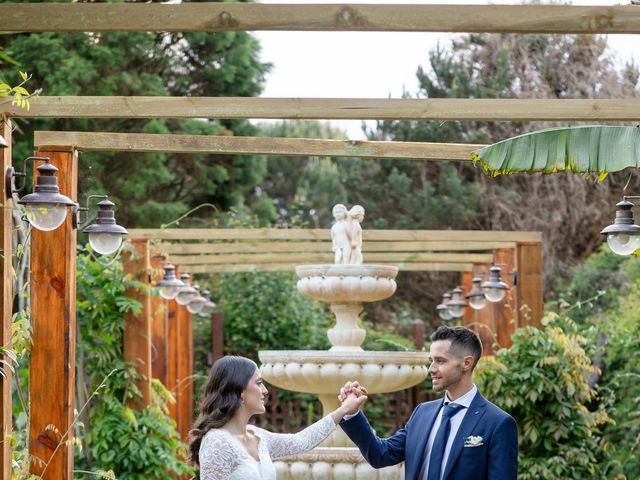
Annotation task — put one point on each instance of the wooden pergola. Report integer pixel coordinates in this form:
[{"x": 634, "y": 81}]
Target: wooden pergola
[{"x": 53, "y": 258}]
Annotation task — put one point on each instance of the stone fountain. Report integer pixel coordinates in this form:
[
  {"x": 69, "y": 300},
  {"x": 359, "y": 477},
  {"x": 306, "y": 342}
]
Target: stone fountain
[{"x": 345, "y": 285}]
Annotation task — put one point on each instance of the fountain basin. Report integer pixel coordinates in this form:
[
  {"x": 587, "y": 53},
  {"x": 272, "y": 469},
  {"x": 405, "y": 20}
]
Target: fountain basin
[
  {"x": 324, "y": 373},
  {"x": 347, "y": 283},
  {"x": 333, "y": 464}
]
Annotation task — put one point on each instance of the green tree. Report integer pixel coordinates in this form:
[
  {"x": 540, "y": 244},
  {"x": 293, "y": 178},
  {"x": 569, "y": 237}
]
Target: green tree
[{"x": 150, "y": 189}]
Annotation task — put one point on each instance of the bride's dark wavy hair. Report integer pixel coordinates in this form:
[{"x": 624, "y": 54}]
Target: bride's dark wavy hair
[{"x": 221, "y": 398}]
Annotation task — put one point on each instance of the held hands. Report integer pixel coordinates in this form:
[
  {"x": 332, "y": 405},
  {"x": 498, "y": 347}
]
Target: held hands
[{"x": 352, "y": 395}]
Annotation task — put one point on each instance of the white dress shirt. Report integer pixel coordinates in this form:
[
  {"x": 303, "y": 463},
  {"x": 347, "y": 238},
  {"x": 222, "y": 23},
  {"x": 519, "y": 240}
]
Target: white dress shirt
[{"x": 465, "y": 400}]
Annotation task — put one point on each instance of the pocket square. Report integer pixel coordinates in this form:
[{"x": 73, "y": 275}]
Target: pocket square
[{"x": 473, "y": 441}]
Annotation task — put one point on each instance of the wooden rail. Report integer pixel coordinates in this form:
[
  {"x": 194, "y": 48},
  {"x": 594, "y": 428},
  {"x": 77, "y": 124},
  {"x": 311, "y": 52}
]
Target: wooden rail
[
  {"x": 218, "y": 17},
  {"x": 329, "y": 108}
]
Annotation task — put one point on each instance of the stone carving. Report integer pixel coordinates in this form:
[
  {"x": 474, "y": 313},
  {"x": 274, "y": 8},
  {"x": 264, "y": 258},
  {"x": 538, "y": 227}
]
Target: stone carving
[{"x": 346, "y": 235}]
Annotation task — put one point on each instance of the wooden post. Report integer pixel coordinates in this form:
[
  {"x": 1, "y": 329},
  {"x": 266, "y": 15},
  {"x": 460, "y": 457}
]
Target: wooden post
[
  {"x": 529, "y": 288},
  {"x": 506, "y": 311},
  {"x": 483, "y": 321},
  {"x": 159, "y": 326},
  {"x": 7, "y": 302},
  {"x": 172, "y": 356},
  {"x": 53, "y": 319},
  {"x": 137, "y": 330},
  {"x": 217, "y": 335},
  {"x": 184, "y": 392},
  {"x": 418, "y": 334}
]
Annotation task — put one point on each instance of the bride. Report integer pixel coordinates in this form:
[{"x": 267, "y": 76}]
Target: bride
[{"x": 223, "y": 443}]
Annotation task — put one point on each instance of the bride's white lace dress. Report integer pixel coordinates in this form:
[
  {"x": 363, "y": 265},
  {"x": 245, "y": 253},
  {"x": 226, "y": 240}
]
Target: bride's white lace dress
[{"x": 222, "y": 457}]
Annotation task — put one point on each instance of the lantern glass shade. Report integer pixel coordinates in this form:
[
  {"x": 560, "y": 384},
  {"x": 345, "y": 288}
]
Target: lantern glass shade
[
  {"x": 196, "y": 305},
  {"x": 623, "y": 243},
  {"x": 185, "y": 296},
  {"x": 46, "y": 216},
  {"x": 105, "y": 243},
  {"x": 169, "y": 292},
  {"x": 494, "y": 294}
]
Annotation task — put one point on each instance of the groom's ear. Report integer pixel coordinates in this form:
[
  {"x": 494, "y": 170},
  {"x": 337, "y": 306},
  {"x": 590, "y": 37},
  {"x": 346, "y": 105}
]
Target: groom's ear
[{"x": 468, "y": 363}]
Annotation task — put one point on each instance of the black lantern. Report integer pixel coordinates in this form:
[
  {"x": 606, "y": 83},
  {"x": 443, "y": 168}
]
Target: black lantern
[
  {"x": 186, "y": 293},
  {"x": 197, "y": 304},
  {"x": 457, "y": 304},
  {"x": 443, "y": 308},
  {"x": 209, "y": 306},
  {"x": 623, "y": 236},
  {"x": 476, "y": 297},
  {"x": 105, "y": 235},
  {"x": 46, "y": 208},
  {"x": 494, "y": 289},
  {"x": 169, "y": 285}
]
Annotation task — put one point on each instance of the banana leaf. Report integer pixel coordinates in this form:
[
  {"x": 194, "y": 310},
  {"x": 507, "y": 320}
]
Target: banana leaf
[{"x": 590, "y": 150}]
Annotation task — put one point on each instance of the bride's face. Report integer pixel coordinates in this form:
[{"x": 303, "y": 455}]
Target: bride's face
[{"x": 255, "y": 395}]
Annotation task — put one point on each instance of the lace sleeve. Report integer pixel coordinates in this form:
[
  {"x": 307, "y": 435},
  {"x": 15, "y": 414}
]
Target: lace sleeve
[
  {"x": 217, "y": 457},
  {"x": 283, "y": 444}
]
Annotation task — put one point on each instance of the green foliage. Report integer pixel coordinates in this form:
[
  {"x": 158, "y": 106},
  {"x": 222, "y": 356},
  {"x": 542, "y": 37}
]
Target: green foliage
[
  {"x": 18, "y": 95},
  {"x": 620, "y": 382},
  {"x": 595, "y": 286},
  {"x": 161, "y": 186},
  {"x": 265, "y": 311},
  {"x": 599, "y": 149},
  {"x": 542, "y": 382},
  {"x": 133, "y": 444}
]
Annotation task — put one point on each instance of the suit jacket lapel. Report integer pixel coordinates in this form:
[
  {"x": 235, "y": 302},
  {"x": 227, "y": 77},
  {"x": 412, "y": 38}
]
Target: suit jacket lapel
[
  {"x": 471, "y": 418},
  {"x": 430, "y": 418}
]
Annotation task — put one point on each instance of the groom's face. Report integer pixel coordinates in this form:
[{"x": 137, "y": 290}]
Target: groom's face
[{"x": 446, "y": 368}]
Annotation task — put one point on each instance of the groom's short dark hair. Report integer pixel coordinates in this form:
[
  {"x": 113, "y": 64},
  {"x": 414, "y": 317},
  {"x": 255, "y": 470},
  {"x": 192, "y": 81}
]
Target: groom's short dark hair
[{"x": 463, "y": 341}]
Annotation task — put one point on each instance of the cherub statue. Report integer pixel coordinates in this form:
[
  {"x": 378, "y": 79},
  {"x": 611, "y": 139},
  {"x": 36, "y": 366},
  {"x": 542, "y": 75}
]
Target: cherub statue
[
  {"x": 340, "y": 235},
  {"x": 356, "y": 215}
]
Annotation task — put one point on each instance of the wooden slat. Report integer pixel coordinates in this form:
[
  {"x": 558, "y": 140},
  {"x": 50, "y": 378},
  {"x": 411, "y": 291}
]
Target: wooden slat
[
  {"x": 159, "y": 325},
  {"x": 415, "y": 257},
  {"x": 329, "y": 108},
  {"x": 137, "y": 330},
  {"x": 184, "y": 390},
  {"x": 6, "y": 304},
  {"x": 177, "y": 249},
  {"x": 290, "y": 267},
  {"x": 296, "y": 147},
  {"x": 172, "y": 356},
  {"x": 325, "y": 234},
  {"x": 53, "y": 319},
  {"x": 217, "y": 17},
  {"x": 530, "y": 288}
]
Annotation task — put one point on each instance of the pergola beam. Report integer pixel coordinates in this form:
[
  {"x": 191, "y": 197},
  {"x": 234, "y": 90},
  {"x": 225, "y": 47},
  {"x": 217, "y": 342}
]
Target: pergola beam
[
  {"x": 218, "y": 17},
  {"x": 168, "y": 143},
  {"x": 328, "y": 108}
]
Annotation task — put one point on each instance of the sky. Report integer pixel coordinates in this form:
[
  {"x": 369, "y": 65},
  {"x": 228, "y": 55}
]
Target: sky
[{"x": 370, "y": 64}]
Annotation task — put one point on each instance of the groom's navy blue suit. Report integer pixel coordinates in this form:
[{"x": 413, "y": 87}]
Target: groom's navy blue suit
[{"x": 495, "y": 459}]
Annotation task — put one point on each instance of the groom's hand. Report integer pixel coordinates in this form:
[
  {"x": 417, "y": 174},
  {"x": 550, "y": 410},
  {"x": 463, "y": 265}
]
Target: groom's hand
[{"x": 351, "y": 405}]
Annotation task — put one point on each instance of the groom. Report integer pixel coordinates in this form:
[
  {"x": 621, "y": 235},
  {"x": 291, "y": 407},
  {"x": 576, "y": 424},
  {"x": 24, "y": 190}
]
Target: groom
[{"x": 459, "y": 437}]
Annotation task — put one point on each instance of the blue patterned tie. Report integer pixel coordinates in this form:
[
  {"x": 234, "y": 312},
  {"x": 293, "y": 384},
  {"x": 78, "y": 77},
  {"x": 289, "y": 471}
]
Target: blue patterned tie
[{"x": 440, "y": 442}]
